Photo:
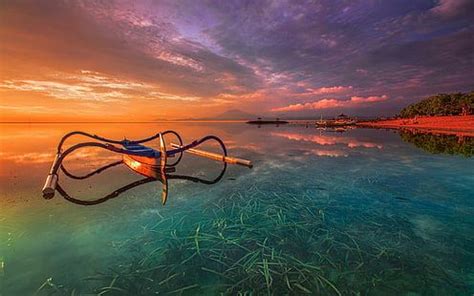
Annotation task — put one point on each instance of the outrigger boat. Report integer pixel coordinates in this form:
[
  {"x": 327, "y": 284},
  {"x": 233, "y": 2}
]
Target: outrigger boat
[
  {"x": 341, "y": 121},
  {"x": 140, "y": 158}
]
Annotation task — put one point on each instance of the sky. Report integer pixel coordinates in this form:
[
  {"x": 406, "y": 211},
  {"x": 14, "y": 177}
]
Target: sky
[{"x": 152, "y": 60}]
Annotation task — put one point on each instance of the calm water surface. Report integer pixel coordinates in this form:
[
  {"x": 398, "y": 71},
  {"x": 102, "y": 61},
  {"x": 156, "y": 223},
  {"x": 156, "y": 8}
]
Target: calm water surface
[{"x": 356, "y": 213}]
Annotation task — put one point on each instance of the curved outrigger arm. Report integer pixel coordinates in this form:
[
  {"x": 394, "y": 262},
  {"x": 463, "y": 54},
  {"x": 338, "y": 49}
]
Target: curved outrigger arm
[
  {"x": 112, "y": 141},
  {"x": 52, "y": 178}
]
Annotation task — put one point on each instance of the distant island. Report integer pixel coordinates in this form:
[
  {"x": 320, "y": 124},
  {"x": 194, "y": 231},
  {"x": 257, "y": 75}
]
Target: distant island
[{"x": 442, "y": 113}]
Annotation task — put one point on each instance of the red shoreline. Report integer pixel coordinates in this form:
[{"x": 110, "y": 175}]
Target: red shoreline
[{"x": 462, "y": 126}]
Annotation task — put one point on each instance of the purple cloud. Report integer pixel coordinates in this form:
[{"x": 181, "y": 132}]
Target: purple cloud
[{"x": 251, "y": 54}]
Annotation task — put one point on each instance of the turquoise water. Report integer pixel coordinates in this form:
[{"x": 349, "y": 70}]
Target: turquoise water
[{"x": 361, "y": 212}]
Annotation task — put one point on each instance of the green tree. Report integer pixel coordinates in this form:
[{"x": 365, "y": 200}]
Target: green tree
[{"x": 441, "y": 104}]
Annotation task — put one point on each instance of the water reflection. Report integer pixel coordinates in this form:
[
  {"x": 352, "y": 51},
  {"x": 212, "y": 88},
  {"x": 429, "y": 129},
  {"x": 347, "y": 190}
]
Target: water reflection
[
  {"x": 359, "y": 212},
  {"x": 323, "y": 144},
  {"x": 436, "y": 143},
  {"x": 322, "y": 139},
  {"x": 156, "y": 177}
]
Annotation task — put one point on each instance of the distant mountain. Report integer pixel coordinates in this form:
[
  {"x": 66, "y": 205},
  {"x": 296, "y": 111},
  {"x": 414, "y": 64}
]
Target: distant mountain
[{"x": 234, "y": 114}]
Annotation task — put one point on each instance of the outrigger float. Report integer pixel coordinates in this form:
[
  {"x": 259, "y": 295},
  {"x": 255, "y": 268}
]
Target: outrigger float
[{"x": 141, "y": 159}]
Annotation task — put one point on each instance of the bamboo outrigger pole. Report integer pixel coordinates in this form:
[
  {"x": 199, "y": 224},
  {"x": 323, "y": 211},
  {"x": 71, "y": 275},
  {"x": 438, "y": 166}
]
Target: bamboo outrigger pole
[{"x": 216, "y": 156}]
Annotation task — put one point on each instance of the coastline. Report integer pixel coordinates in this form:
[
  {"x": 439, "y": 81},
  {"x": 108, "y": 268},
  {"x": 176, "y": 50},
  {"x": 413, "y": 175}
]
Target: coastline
[{"x": 462, "y": 126}]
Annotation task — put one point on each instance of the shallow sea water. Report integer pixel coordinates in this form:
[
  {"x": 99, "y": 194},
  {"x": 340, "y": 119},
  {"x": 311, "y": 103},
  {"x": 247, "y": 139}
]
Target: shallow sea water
[{"x": 361, "y": 212}]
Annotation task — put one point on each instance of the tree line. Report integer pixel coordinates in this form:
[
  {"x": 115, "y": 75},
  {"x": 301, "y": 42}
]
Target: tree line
[
  {"x": 436, "y": 144},
  {"x": 441, "y": 104}
]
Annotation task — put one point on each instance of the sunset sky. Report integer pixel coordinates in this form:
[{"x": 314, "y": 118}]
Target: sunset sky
[{"x": 150, "y": 60}]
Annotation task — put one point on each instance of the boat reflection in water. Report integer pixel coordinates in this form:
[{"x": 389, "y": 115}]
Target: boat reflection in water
[
  {"x": 439, "y": 143},
  {"x": 151, "y": 173}
]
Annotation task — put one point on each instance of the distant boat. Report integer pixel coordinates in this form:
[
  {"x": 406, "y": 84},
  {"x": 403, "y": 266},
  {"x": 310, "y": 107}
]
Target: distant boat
[
  {"x": 341, "y": 120},
  {"x": 259, "y": 121},
  {"x": 321, "y": 122}
]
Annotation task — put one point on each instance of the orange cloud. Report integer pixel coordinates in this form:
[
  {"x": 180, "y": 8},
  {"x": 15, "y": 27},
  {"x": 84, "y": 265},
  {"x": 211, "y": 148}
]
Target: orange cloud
[
  {"x": 92, "y": 86},
  {"x": 228, "y": 99},
  {"x": 332, "y": 103},
  {"x": 371, "y": 99},
  {"x": 63, "y": 90},
  {"x": 328, "y": 90}
]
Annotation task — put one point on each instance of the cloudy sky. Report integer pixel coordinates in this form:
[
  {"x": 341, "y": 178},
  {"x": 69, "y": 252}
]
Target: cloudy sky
[{"x": 145, "y": 60}]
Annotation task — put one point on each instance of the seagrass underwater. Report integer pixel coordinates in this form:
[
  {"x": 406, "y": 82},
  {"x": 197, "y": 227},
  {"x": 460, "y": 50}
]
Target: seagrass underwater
[{"x": 321, "y": 212}]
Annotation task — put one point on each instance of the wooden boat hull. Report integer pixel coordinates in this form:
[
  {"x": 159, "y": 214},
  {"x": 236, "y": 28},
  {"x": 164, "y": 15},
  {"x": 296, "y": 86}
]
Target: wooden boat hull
[{"x": 146, "y": 166}]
